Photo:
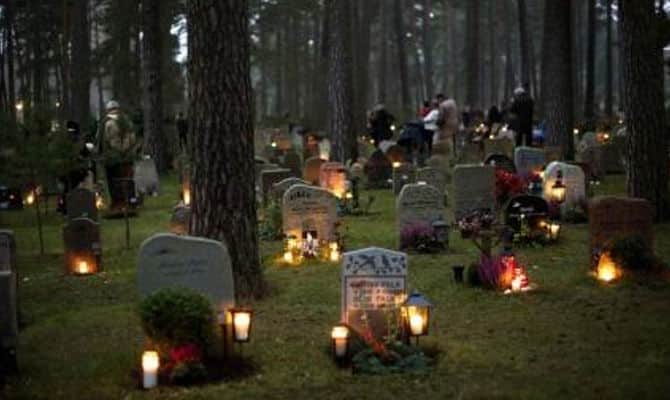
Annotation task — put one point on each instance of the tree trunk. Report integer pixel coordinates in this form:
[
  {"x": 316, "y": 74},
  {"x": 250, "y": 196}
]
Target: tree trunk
[
  {"x": 99, "y": 82},
  {"x": 427, "y": 41},
  {"x": 9, "y": 18},
  {"x": 155, "y": 143},
  {"x": 493, "y": 52},
  {"x": 523, "y": 44},
  {"x": 472, "y": 55},
  {"x": 80, "y": 108},
  {"x": 509, "y": 62},
  {"x": 322, "y": 114},
  {"x": 221, "y": 129},
  {"x": 577, "y": 52},
  {"x": 647, "y": 172},
  {"x": 382, "y": 67},
  {"x": 340, "y": 84},
  {"x": 589, "y": 97},
  {"x": 609, "y": 76},
  {"x": 399, "y": 31},
  {"x": 557, "y": 70}
]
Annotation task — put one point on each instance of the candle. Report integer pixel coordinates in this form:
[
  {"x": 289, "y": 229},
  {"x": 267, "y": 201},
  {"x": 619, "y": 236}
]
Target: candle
[
  {"x": 241, "y": 322},
  {"x": 416, "y": 324},
  {"x": 82, "y": 267},
  {"x": 396, "y": 164},
  {"x": 334, "y": 255},
  {"x": 30, "y": 199},
  {"x": 150, "y": 365},
  {"x": 288, "y": 256},
  {"x": 516, "y": 284},
  {"x": 339, "y": 336},
  {"x": 187, "y": 197},
  {"x": 607, "y": 271},
  {"x": 553, "y": 229}
]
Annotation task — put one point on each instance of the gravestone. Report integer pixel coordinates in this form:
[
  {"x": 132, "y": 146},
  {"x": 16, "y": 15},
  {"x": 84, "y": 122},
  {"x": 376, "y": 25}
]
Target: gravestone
[
  {"x": 534, "y": 209},
  {"x": 434, "y": 177},
  {"x": 80, "y": 203},
  {"x": 498, "y": 146},
  {"x": 81, "y": 237},
  {"x": 146, "y": 177},
  {"x": 501, "y": 161},
  {"x": 470, "y": 153},
  {"x": 402, "y": 175},
  {"x": 279, "y": 188},
  {"x": 395, "y": 153},
  {"x": 528, "y": 160},
  {"x": 333, "y": 177},
  {"x": 180, "y": 220},
  {"x": 474, "y": 189},
  {"x": 419, "y": 204},
  {"x": 309, "y": 209},
  {"x": 374, "y": 284},
  {"x": 9, "y": 324},
  {"x": 441, "y": 163},
  {"x": 442, "y": 148},
  {"x": 271, "y": 176},
  {"x": 614, "y": 217},
  {"x": 378, "y": 170},
  {"x": 170, "y": 261},
  {"x": 312, "y": 170},
  {"x": 293, "y": 162},
  {"x": 573, "y": 179}
]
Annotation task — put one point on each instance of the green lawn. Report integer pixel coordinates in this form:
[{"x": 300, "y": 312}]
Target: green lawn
[{"x": 572, "y": 338}]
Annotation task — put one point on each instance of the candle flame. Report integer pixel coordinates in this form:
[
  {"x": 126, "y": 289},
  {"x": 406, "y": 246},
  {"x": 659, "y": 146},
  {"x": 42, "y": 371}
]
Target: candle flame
[{"x": 607, "y": 270}]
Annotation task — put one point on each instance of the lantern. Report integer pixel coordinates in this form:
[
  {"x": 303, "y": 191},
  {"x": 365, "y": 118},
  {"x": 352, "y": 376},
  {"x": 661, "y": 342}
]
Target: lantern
[
  {"x": 334, "y": 255},
  {"x": 558, "y": 189},
  {"x": 339, "y": 340},
  {"x": 186, "y": 196},
  {"x": 553, "y": 230},
  {"x": 415, "y": 313},
  {"x": 99, "y": 201},
  {"x": 30, "y": 198},
  {"x": 607, "y": 270},
  {"x": 241, "y": 318},
  {"x": 82, "y": 268},
  {"x": 150, "y": 365}
]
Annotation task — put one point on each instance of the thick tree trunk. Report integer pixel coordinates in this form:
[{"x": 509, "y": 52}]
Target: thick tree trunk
[
  {"x": 609, "y": 75},
  {"x": 99, "y": 82},
  {"x": 577, "y": 52},
  {"x": 361, "y": 41},
  {"x": 322, "y": 113},
  {"x": 80, "y": 108},
  {"x": 399, "y": 31},
  {"x": 382, "y": 66},
  {"x": 647, "y": 172},
  {"x": 557, "y": 68},
  {"x": 472, "y": 55},
  {"x": 222, "y": 139},
  {"x": 9, "y": 10},
  {"x": 493, "y": 52},
  {"x": 589, "y": 97},
  {"x": 427, "y": 41},
  {"x": 523, "y": 43},
  {"x": 340, "y": 84},
  {"x": 509, "y": 61}
]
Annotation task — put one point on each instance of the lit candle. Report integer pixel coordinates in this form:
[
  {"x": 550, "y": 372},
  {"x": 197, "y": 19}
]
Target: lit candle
[
  {"x": 30, "y": 199},
  {"x": 82, "y": 267},
  {"x": 99, "y": 202},
  {"x": 416, "y": 324},
  {"x": 288, "y": 256},
  {"x": 553, "y": 230},
  {"x": 150, "y": 365},
  {"x": 339, "y": 336},
  {"x": 516, "y": 284},
  {"x": 187, "y": 197},
  {"x": 396, "y": 164},
  {"x": 241, "y": 322},
  {"x": 607, "y": 271},
  {"x": 334, "y": 252}
]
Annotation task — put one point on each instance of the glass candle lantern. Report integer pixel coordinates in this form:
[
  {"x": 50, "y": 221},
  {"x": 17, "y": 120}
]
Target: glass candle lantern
[
  {"x": 415, "y": 314},
  {"x": 340, "y": 342},
  {"x": 150, "y": 365},
  {"x": 241, "y": 319},
  {"x": 558, "y": 189}
]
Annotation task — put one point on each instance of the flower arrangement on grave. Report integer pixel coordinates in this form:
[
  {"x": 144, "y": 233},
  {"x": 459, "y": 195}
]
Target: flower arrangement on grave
[
  {"x": 474, "y": 222},
  {"x": 508, "y": 185},
  {"x": 180, "y": 326},
  {"x": 418, "y": 236},
  {"x": 296, "y": 250}
]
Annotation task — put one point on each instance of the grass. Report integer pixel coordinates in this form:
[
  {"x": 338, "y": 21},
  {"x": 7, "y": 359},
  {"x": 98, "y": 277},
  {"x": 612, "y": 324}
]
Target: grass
[{"x": 572, "y": 338}]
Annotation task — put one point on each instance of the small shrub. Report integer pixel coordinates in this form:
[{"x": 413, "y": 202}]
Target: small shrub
[{"x": 177, "y": 317}]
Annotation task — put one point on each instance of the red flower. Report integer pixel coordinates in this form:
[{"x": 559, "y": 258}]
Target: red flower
[{"x": 186, "y": 353}]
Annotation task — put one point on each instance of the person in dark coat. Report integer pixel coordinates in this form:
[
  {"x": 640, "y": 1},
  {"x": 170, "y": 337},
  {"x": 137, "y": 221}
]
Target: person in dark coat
[
  {"x": 522, "y": 108},
  {"x": 379, "y": 123}
]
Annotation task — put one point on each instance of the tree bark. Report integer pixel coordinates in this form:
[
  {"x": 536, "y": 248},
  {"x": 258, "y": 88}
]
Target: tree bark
[
  {"x": 493, "y": 52},
  {"x": 557, "y": 70},
  {"x": 9, "y": 10},
  {"x": 155, "y": 143},
  {"x": 427, "y": 41},
  {"x": 609, "y": 75},
  {"x": 80, "y": 106},
  {"x": 472, "y": 55},
  {"x": 523, "y": 43},
  {"x": 399, "y": 31},
  {"x": 647, "y": 172},
  {"x": 221, "y": 129},
  {"x": 340, "y": 84},
  {"x": 509, "y": 62},
  {"x": 382, "y": 66},
  {"x": 589, "y": 97}
]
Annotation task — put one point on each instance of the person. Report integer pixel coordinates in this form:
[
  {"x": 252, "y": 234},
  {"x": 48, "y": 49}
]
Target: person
[
  {"x": 522, "y": 108},
  {"x": 448, "y": 119},
  {"x": 182, "y": 130},
  {"x": 379, "y": 123},
  {"x": 118, "y": 147},
  {"x": 430, "y": 126},
  {"x": 425, "y": 109}
]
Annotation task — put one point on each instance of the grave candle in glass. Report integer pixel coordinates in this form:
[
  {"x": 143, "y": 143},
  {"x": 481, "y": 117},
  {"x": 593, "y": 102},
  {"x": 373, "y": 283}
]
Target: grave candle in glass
[
  {"x": 241, "y": 324},
  {"x": 334, "y": 252},
  {"x": 150, "y": 364},
  {"x": 82, "y": 267},
  {"x": 416, "y": 324},
  {"x": 340, "y": 338}
]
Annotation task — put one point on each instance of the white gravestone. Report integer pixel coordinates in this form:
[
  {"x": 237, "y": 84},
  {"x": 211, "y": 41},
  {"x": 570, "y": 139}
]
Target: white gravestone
[
  {"x": 573, "y": 179},
  {"x": 146, "y": 177},
  {"x": 309, "y": 209}
]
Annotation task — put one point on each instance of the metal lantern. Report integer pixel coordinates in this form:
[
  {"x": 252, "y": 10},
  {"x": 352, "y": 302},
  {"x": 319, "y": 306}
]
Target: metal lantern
[
  {"x": 415, "y": 313},
  {"x": 339, "y": 341},
  {"x": 558, "y": 189},
  {"x": 553, "y": 230},
  {"x": 241, "y": 324}
]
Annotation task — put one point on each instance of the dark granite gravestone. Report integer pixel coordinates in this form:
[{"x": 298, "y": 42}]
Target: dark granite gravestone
[
  {"x": 82, "y": 245},
  {"x": 80, "y": 203},
  {"x": 501, "y": 161},
  {"x": 378, "y": 170},
  {"x": 292, "y": 162},
  {"x": 533, "y": 209},
  {"x": 9, "y": 324}
]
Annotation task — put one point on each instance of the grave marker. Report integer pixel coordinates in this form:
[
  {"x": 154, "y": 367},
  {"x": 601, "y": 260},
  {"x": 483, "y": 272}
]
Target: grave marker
[
  {"x": 312, "y": 170},
  {"x": 378, "y": 170},
  {"x": 147, "y": 181},
  {"x": 82, "y": 245},
  {"x": 333, "y": 177},
  {"x": 573, "y": 179},
  {"x": 403, "y": 174},
  {"x": 419, "y": 204},
  {"x": 528, "y": 160},
  {"x": 309, "y": 209},
  {"x": 474, "y": 189},
  {"x": 434, "y": 177},
  {"x": 9, "y": 324},
  {"x": 80, "y": 203}
]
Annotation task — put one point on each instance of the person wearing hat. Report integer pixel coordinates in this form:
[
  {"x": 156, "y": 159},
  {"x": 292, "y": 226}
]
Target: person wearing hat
[
  {"x": 117, "y": 145},
  {"x": 522, "y": 108}
]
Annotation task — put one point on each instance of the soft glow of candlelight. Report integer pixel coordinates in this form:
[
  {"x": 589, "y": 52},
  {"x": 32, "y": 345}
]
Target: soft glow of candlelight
[
  {"x": 349, "y": 195},
  {"x": 554, "y": 229},
  {"x": 607, "y": 270},
  {"x": 334, "y": 252},
  {"x": 339, "y": 336},
  {"x": 19, "y": 106},
  {"x": 416, "y": 324},
  {"x": 150, "y": 364},
  {"x": 396, "y": 164},
  {"x": 99, "y": 201},
  {"x": 241, "y": 323},
  {"x": 575, "y": 131},
  {"x": 82, "y": 267},
  {"x": 273, "y": 144},
  {"x": 517, "y": 284},
  {"x": 187, "y": 197},
  {"x": 288, "y": 256},
  {"x": 30, "y": 198}
]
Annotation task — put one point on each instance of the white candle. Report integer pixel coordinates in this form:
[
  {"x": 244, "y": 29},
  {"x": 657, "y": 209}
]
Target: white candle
[
  {"x": 288, "y": 257},
  {"x": 339, "y": 335},
  {"x": 187, "y": 197},
  {"x": 150, "y": 365},
  {"x": 334, "y": 255},
  {"x": 82, "y": 267},
  {"x": 416, "y": 324},
  {"x": 241, "y": 323},
  {"x": 516, "y": 284}
]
